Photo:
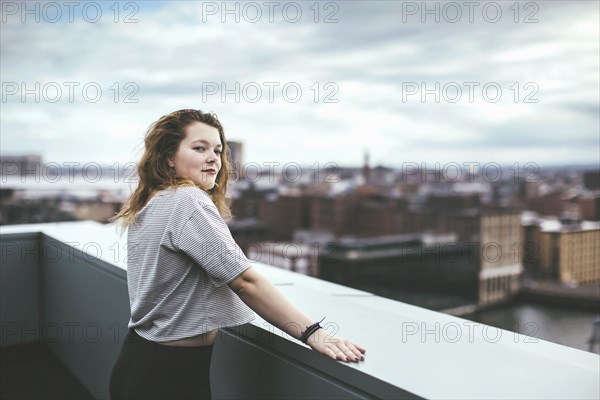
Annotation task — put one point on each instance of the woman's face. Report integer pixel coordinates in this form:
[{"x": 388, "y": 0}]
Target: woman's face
[{"x": 199, "y": 155}]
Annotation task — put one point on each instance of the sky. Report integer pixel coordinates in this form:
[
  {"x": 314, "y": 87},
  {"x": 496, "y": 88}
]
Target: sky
[{"x": 307, "y": 82}]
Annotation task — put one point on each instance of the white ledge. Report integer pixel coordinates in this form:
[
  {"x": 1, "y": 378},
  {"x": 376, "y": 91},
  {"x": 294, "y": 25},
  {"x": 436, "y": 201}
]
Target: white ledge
[{"x": 430, "y": 354}]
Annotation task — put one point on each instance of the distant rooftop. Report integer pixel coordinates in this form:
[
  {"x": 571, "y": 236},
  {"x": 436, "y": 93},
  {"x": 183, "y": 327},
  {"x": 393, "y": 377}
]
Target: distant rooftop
[{"x": 555, "y": 224}]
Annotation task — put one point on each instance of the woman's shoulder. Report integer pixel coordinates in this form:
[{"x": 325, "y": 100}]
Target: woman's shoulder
[{"x": 191, "y": 193}]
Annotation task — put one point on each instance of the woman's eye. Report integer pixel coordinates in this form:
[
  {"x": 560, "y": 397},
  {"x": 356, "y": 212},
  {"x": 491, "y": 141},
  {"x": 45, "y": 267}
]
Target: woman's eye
[{"x": 219, "y": 152}]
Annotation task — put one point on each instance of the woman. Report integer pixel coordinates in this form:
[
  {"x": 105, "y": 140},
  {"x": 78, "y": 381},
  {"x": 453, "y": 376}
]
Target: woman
[{"x": 186, "y": 276}]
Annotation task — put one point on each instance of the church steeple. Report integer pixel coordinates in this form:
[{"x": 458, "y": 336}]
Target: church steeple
[{"x": 366, "y": 169}]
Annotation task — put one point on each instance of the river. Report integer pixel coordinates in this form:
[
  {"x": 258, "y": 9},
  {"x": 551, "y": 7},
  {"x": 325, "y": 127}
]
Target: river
[{"x": 567, "y": 326}]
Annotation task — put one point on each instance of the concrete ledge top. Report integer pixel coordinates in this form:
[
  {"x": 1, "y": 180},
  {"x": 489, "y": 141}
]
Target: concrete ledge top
[{"x": 424, "y": 352}]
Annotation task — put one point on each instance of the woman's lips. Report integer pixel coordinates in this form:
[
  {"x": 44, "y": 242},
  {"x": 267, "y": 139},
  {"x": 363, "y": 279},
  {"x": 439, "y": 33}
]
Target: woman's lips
[{"x": 210, "y": 172}]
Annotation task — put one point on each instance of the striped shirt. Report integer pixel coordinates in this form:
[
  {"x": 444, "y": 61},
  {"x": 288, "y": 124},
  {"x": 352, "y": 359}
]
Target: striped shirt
[{"x": 180, "y": 258}]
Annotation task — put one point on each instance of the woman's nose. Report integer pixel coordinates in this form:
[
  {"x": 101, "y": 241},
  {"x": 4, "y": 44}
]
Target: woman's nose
[{"x": 213, "y": 157}]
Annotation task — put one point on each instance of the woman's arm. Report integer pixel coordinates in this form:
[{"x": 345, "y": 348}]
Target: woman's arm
[{"x": 268, "y": 302}]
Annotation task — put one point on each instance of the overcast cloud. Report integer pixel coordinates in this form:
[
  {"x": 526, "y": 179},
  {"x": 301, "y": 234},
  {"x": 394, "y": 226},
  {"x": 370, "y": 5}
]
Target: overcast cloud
[{"x": 370, "y": 57}]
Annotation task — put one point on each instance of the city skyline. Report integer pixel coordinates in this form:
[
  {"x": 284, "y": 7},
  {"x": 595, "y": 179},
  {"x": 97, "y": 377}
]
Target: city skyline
[{"x": 379, "y": 61}]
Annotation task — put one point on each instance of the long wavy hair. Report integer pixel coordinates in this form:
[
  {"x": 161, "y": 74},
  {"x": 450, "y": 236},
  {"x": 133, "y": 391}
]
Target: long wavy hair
[{"x": 161, "y": 142}]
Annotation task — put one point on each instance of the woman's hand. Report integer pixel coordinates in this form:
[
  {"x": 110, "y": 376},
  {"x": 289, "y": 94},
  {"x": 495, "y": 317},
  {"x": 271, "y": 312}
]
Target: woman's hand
[{"x": 335, "y": 347}]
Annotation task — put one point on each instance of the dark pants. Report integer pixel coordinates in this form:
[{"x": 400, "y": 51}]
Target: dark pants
[{"x": 148, "y": 370}]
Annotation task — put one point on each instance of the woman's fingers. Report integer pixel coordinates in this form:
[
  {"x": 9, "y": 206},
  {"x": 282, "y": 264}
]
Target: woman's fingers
[
  {"x": 362, "y": 350},
  {"x": 348, "y": 352},
  {"x": 343, "y": 350},
  {"x": 333, "y": 354},
  {"x": 330, "y": 353},
  {"x": 357, "y": 354},
  {"x": 351, "y": 350},
  {"x": 340, "y": 354}
]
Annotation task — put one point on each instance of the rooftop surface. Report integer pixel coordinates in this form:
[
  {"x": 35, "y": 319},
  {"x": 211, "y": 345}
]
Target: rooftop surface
[{"x": 427, "y": 353}]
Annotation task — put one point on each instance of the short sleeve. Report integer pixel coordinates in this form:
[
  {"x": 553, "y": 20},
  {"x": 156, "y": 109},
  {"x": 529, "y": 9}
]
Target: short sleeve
[{"x": 206, "y": 238}]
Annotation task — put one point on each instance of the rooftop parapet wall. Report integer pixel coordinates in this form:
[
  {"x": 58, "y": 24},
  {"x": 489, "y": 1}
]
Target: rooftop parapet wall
[{"x": 411, "y": 352}]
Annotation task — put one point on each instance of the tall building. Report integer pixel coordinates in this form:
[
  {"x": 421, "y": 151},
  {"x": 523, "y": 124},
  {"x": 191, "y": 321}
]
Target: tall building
[
  {"x": 284, "y": 215},
  {"x": 495, "y": 234},
  {"x": 236, "y": 151},
  {"x": 531, "y": 244},
  {"x": 330, "y": 213},
  {"x": 501, "y": 259},
  {"x": 589, "y": 206},
  {"x": 366, "y": 169},
  {"x": 551, "y": 203},
  {"x": 395, "y": 265},
  {"x": 20, "y": 166},
  {"x": 570, "y": 251},
  {"x": 441, "y": 214},
  {"x": 591, "y": 179},
  {"x": 375, "y": 215}
]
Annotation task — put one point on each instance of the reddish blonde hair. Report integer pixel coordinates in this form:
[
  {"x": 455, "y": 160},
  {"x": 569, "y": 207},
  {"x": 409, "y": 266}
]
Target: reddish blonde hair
[{"x": 161, "y": 142}]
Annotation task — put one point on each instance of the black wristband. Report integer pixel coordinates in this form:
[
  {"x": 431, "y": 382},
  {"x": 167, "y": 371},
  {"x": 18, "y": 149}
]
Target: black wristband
[{"x": 310, "y": 330}]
